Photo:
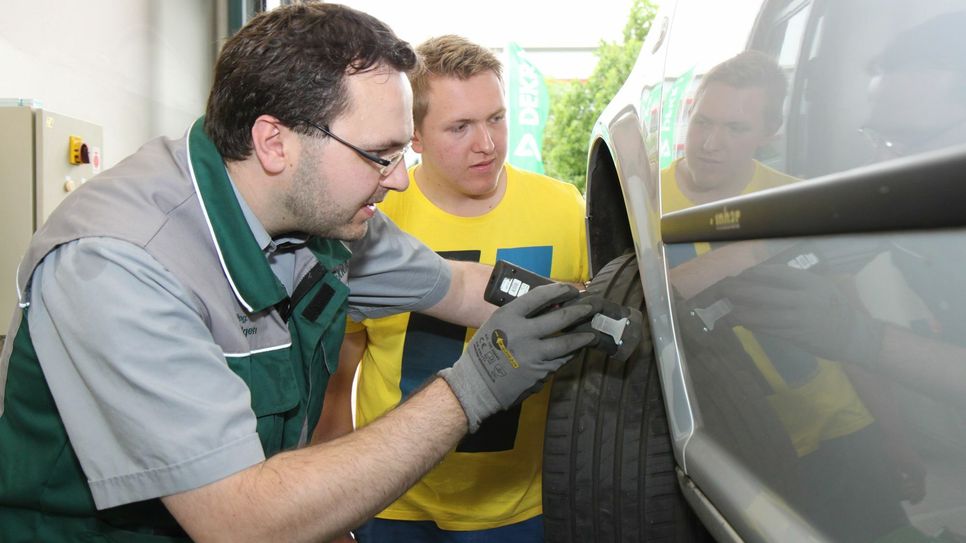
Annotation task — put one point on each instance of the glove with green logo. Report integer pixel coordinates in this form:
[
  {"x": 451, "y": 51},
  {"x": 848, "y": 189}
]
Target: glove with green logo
[{"x": 516, "y": 349}]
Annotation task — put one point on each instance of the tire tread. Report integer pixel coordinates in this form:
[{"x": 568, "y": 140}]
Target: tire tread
[{"x": 608, "y": 473}]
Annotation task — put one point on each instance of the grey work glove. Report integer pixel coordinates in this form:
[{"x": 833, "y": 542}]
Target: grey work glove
[
  {"x": 513, "y": 353},
  {"x": 806, "y": 309}
]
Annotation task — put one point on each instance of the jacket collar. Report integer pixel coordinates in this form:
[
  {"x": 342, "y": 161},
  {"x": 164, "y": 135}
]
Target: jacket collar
[{"x": 242, "y": 260}]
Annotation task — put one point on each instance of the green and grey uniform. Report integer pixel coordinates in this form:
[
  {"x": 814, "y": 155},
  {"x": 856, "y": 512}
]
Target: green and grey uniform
[{"x": 164, "y": 342}]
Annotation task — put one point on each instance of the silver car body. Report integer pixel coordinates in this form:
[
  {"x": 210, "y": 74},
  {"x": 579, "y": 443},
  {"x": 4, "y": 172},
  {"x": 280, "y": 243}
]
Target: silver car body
[{"x": 880, "y": 218}]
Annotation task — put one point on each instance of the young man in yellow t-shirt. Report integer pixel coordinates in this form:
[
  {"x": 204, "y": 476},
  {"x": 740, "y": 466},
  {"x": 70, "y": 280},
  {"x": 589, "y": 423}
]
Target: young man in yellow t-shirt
[{"x": 466, "y": 203}]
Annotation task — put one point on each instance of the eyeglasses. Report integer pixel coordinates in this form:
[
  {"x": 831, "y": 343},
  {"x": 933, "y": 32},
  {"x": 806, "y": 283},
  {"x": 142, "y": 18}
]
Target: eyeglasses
[{"x": 386, "y": 164}]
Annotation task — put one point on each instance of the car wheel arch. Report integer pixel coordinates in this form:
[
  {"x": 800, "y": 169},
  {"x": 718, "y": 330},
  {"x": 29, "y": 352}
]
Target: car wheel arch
[{"x": 608, "y": 231}]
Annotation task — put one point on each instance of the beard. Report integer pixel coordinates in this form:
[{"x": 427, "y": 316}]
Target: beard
[{"x": 315, "y": 211}]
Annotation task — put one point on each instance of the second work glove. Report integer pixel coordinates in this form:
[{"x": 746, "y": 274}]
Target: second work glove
[{"x": 516, "y": 350}]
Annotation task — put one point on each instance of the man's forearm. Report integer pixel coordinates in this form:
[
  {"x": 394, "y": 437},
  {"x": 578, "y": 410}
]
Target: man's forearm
[
  {"x": 318, "y": 492},
  {"x": 463, "y": 303},
  {"x": 336, "y": 418}
]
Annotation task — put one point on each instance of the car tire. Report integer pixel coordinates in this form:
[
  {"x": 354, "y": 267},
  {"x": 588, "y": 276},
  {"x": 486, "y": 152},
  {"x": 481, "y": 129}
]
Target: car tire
[{"x": 609, "y": 469}]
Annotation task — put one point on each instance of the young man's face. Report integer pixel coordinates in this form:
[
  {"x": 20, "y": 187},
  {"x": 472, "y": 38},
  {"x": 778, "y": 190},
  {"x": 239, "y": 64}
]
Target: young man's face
[
  {"x": 463, "y": 136},
  {"x": 726, "y": 128},
  {"x": 334, "y": 189}
]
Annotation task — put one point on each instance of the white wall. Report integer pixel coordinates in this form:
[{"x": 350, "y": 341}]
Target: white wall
[
  {"x": 139, "y": 68},
  {"x": 574, "y": 29}
]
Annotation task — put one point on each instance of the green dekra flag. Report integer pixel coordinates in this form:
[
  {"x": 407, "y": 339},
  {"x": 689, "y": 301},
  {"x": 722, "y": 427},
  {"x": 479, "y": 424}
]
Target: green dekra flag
[{"x": 528, "y": 107}]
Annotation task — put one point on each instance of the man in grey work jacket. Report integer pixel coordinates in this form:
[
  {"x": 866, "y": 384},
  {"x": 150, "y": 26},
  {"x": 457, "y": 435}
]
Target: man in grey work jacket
[{"x": 180, "y": 314}]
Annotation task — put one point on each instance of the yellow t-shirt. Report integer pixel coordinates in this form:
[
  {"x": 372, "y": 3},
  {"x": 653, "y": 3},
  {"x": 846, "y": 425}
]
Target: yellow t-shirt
[
  {"x": 672, "y": 199},
  {"x": 494, "y": 476},
  {"x": 821, "y": 406}
]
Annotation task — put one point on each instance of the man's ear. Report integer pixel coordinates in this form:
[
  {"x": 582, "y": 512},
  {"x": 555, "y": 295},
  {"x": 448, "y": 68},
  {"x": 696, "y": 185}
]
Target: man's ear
[
  {"x": 417, "y": 143},
  {"x": 271, "y": 142}
]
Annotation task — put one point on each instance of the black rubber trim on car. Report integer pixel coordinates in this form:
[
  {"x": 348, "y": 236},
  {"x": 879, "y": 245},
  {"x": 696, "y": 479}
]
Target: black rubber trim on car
[{"x": 926, "y": 191}]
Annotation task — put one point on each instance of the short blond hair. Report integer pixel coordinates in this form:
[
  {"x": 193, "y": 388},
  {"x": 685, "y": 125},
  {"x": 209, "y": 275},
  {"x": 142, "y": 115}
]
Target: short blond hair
[
  {"x": 448, "y": 56},
  {"x": 752, "y": 69}
]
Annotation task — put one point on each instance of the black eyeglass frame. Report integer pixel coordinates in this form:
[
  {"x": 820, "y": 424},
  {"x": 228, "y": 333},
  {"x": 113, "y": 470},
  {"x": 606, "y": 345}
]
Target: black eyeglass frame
[{"x": 386, "y": 165}]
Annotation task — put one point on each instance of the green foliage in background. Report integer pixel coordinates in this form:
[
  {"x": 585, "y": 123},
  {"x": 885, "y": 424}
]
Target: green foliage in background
[{"x": 575, "y": 105}]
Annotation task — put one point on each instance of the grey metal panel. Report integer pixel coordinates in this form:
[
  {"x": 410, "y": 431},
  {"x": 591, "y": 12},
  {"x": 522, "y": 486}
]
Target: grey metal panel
[
  {"x": 36, "y": 176},
  {"x": 17, "y": 203}
]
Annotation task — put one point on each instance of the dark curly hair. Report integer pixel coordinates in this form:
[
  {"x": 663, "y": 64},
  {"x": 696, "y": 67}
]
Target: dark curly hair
[{"x": 291, "y": 63}]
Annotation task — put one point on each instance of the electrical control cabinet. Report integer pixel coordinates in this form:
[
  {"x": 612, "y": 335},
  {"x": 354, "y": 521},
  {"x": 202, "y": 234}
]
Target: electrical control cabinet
[{"x": 43, "y": 157}]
